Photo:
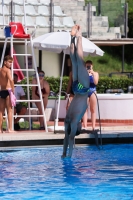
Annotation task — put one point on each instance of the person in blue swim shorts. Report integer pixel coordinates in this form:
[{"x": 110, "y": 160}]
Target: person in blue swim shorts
[{"x": 81, "y": 85}]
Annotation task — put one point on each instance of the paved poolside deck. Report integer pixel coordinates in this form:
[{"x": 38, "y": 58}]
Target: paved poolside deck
[{"x": 111, "y": 133}]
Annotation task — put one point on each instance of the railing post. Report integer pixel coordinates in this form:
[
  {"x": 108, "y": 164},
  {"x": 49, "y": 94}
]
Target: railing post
[
  {"x": 126, "y": 20},
  {"x": 99, "y": 7},
  {"x": 12, "y": 11},
  {"x": 125, "y": 32},
  {"x": 123, "y": 59},
  {"x": 89, "y": 20},
  {"x": 51, "y": 16}
]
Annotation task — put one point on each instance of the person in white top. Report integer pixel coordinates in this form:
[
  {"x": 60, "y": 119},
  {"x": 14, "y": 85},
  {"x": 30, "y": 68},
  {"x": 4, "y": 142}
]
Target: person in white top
[{"x": 19, "y": 109}]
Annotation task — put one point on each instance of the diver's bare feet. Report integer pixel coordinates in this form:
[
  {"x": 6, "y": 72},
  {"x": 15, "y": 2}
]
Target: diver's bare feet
[
  {"x": 72, "y": 48},
  {"x": 74, "y": 30},
  {"x": 78, "y": 32}
]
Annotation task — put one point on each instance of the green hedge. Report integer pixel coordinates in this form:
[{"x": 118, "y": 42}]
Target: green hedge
[
  {"x": 104, "y": 83},
  {"x": 114, "y": 83}
]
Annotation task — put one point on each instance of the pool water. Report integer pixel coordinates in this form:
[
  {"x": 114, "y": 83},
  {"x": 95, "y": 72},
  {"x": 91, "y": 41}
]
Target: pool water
[{"x": 91, "y": 174}]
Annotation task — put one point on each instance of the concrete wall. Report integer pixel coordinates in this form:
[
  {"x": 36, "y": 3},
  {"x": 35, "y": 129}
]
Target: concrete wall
[
  {"x": 116, "y": 106},
  {"x": 20, "y": 49},
  {"x": 75, "y": 9},
  {"x": 51, "y": 62},
  {"x": 112, "y": 106}
]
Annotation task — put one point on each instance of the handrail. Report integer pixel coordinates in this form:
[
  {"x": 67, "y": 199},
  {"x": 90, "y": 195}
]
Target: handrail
[
  {"x": 33, "y": 32},
  {"x": 130, "y": 88},
  {"x": 15, "y": 29},
  {"x": 25, "y": 85},
  {"x": 30, "y": 70},
  {"x": 114, "y": 91},
  {"x": 26, "y": 100},
  {"x": 26, "y": 116},
  {"x": 129, "y": 74}
]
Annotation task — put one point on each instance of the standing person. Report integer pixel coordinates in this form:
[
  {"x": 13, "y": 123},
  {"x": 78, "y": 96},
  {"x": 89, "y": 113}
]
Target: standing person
[
  {"x": 19, "y": 108},
  {"x": 81, "y": 85},
  {"x": 6, "y": 83},
  {"x": 92, "y": 101},
  {"x": 45, "y": 89},
  {"x": 69, "y": 91}
]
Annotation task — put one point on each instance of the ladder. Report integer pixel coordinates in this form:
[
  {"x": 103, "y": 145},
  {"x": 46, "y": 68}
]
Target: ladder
[{"x": 16, "y": 31}]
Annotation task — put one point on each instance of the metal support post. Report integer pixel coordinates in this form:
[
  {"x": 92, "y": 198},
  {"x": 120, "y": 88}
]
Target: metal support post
[
  {"x": 89, "y": 20},
  {"x": 125, "y": 33},
  {"x": 99, "y": 7},
  {"x": 51, "y": 16},
  {"x": 123, "y": 59},
  {"x": 126, "y": 20},
  {"x": 12, "y": 11}
]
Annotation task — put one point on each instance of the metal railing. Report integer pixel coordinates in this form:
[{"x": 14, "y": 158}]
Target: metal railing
[
  {"x": 114, "y": 91},
  {"x": 128, "y": 74}
]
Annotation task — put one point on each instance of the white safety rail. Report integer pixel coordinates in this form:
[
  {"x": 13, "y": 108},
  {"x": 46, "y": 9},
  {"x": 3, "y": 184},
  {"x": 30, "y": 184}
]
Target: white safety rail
[{"x": 34, "y": 69}]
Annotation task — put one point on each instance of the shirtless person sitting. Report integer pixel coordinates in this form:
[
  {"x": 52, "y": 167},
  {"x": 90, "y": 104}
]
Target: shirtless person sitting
[
  {"x": 80, "y": 87},
  {"x": 6, "y": 82}
]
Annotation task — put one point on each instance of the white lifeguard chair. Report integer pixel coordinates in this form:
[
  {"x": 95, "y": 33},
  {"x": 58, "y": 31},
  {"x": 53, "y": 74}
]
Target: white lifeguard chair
[{"x": 16, "y": 31}]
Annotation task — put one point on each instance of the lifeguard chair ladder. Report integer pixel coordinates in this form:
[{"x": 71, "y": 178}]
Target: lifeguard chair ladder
[{"x": 15, "y": 30}]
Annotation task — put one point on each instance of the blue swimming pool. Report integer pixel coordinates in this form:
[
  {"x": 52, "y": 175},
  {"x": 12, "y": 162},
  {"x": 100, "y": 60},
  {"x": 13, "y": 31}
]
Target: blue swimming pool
[{"x": 92, "y": 174}]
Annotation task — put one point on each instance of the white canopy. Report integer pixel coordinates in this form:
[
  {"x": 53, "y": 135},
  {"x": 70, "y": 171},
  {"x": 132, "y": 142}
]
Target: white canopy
[{"x": 60, "y": 42}]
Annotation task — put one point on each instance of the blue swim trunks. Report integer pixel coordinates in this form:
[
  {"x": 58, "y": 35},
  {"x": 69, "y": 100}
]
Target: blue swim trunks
[{"x": 78, "y": 88}]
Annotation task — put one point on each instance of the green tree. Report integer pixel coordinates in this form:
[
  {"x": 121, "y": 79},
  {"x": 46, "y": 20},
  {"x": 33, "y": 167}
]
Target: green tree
[
  {"x": 130, "y": 5},
  {"x": 117, "y": 51}
]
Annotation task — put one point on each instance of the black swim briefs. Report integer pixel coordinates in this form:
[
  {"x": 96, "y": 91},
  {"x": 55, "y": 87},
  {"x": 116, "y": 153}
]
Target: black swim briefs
[{"x": 4, "y": 94}]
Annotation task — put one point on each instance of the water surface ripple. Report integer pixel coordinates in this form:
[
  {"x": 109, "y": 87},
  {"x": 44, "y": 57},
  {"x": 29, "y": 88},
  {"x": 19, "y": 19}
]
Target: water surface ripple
[{"x": 40, "y": 173}]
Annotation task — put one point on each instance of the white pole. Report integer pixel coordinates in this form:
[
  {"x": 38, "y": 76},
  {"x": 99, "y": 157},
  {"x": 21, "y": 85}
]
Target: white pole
[{"x": 57, "y": 115}]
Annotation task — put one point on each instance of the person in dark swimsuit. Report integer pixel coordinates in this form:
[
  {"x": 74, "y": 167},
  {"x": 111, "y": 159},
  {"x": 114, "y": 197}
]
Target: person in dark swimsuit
[
  {"x": 69, "y": 91},
  {"x": 45, "y": 89},
  {"x": 92, "y": 102},
  {"x": 6, "y": 83},
  {"x": 92, "y": 86},
  {"x": 42, "y": 90},
  {"x": 80, "y": 87}
]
